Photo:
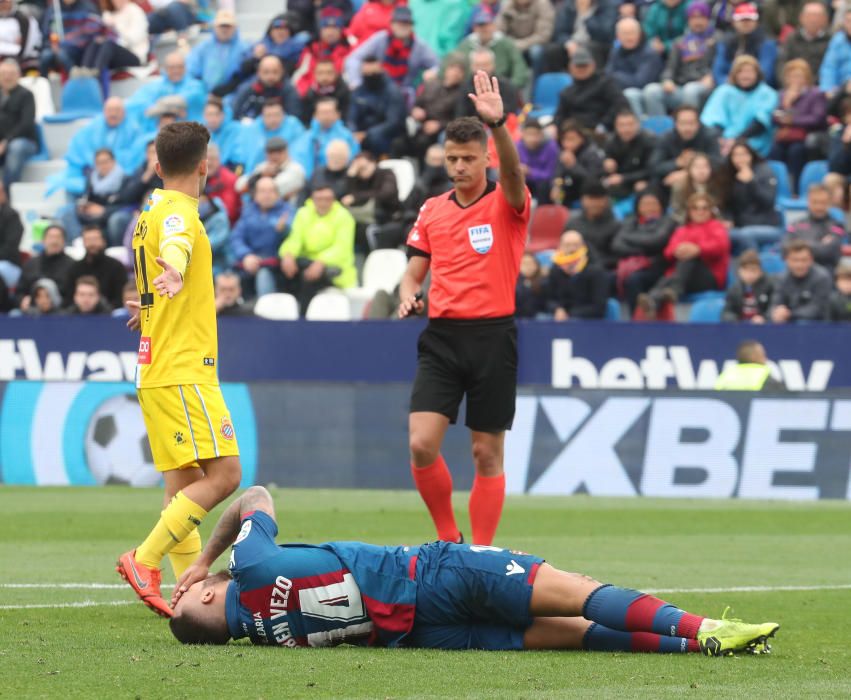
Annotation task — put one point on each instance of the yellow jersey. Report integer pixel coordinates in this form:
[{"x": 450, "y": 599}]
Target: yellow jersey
[{"x": 179, "y": 343}]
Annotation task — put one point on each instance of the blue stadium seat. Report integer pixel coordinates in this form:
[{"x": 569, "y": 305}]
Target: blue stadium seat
[
  {"x": 613, "y": 310},
  {"x": 42, "y": 154},
  {"x": 813, "y": 172},
  {"x": 546, "y": 91},
  {"x": 706, "y": 310},
  {"x": 784, "y": 189},
  {"x": 623, "y": 207},
  {"x": 772, "y": 262},
  {"x": 658, "y": 124},
  {"x": 701, "y": 296},
  {"x": 81, "y": 98}
]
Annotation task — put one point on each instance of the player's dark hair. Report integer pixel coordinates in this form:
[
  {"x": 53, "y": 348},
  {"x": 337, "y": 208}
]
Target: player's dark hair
[
  {"x": 191, "y": 626},
  {"x": 181, "y": 147},
  {"x": 466, "y": 130},
  {"x": 796, "y": 246},
  {"x": 327, "y": 99},
  {"x": 93, "y": 227},
  {"x": 57, "y": 227},
  {"x": 106, "y": 151},
  {"x": 89, "y": 280},
  {"x": 272, "y": 102},
  {"x": 685, "y": 108}
]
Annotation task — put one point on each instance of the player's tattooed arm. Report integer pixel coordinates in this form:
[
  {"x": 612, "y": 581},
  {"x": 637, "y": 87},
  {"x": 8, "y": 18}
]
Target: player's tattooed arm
[{"x": 225, "y": 533}]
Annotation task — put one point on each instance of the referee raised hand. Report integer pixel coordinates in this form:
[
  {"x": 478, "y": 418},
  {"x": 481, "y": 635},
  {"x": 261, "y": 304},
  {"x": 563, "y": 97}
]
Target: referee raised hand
[{"x": 472, "y": 239}]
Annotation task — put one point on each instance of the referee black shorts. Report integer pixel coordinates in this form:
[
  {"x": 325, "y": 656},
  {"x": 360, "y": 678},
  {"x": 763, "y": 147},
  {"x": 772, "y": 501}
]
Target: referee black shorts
[{"x": 474, "y": 357}]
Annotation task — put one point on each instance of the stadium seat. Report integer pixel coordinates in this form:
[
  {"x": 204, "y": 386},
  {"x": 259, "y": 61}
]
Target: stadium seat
[
  {"x": 39, "y": 169},
  {"x": 383, "y": 269},
  {"x": 545, "y": 93},
  {"x": 406, "y": 177},
  {"x": 657, "y": 124},
  {"x": 772, "y": 262},
  {"x": 58, "y": 135},
  {"x": 813, "y": 173},
  {"x": 701, "y": 296},
  {"x": 623, "y": 207},
  {"x": 40, "y": 88},
  {"x": 331, "y": 305},
  {"x": 784, "y": 189},
  {"x": 277, "y": 307},
  {"x": 81, "y": 98},
  {"x": 613, "y": 310},
  {"x": 546, "y": 226},
  {"x": 706, "y": 310}
]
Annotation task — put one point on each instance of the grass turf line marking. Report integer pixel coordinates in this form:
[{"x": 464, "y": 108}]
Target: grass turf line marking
[
  {"x": 81, "y": 604},
  {"x": 750, "y": 589}
]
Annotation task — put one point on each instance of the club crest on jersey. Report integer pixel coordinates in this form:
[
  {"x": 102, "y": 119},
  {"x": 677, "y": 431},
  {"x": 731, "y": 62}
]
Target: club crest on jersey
[
  {"x": 243, "y": 532},
  {"x": 227, "y": 428},
  {"x": 481, "y": 238},
  {"x": 174, "y": 224}
]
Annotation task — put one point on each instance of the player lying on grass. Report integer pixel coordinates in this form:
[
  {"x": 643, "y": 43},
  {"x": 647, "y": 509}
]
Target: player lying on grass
[{"x": 438, "y": 595}]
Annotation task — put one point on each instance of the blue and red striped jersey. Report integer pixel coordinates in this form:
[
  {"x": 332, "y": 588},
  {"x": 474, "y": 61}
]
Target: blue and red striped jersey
[{"x": 318, "y": 595}]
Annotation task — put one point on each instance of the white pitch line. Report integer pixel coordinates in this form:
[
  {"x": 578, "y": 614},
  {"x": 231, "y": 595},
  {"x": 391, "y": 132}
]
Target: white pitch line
[
  {"x": 75, "y": 586},
  {"x": 750, "y": 589},
  {"x": 82, "y": 604}
]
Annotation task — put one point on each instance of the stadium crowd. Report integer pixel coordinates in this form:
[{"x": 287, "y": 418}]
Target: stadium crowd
[{"x": 662, "y": 142}]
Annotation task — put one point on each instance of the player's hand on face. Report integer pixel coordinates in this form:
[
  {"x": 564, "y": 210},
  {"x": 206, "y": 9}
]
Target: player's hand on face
[
  {"x": 133, "y": 323},
  {"x": 169, "y": 282},
  {"x": 487, "y": 99},
  {"x": 196, "y": 572},
  {"x": 411, "y": 306}
]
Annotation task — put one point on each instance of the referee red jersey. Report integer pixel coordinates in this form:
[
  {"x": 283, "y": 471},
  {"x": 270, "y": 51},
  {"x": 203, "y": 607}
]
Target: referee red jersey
[{"x": 475, "y": 253}]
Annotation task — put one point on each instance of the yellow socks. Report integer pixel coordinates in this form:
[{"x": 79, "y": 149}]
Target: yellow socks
[
  {"x": 184, "y": 554},
  {"x": 177, "y": 521}
]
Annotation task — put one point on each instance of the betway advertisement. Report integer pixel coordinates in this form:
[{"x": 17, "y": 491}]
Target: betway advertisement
[
  {"x": 584, "y": 355},
  {"x": 794, "y": 446}
]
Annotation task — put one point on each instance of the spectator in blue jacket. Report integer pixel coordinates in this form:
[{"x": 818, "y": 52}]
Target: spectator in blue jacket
[
  {"x": 258, "y": 234},
  {"x": 273, "y": 122},
  {"x": 270, "y": 82},
  {"x": 836, "y": 66},
  {"x": 225, "y": 133},
  {"x": 216, "y": 59},
  {"x": 633, "y": 63},
  {"x": 325, "y": 127},
  {"x": 284, "y": 39},
  {"x": 377, "y": 111},
  {"x": 748, "y": 38}
]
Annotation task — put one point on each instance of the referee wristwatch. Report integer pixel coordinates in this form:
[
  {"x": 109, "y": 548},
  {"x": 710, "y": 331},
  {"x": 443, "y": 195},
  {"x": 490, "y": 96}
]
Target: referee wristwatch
[{"x": 496, "y": 124}]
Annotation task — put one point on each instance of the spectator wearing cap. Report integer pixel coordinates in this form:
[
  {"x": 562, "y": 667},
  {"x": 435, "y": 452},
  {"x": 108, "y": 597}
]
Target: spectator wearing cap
[
  {"x": 664, "y": 22},
  {"x": 270, "y": 83},
  {"x": 633, "y": 63},
  {"x": 18, "y": 134},
  {"x": 802, "y": 293},
  {"x": 224, "y": 133},
  {"x": 308, "y": 14},
  {"x": 810, "y": 39},
  {"x": 221, "y": 184},
  {"x": 675, "y": 149},
  {"x": 126, "y": 44},
  {"x": 441, "y": 24},
  {"x": 377, "y": 111},
  {"x": 743, "y": 107},
  {"x": 577, "y": 287},
  {"x": 172, "y": 15},
  {"x": 588, "y": 23},
  {"x": 325, "y": 127},
  {"x": 327, "y": 82},
  {"x": 638, "y": 246},
  {"x": 404, "y": 58},
  {"x": 529, "y": 23},
  {"x": 748, "y": 299},
  {"x": 215, "y": 60},
  {"x": 687, "y": 76},
  {"x": 371, "y": 196},
  {"x": 824, "y": 234},
  {"x": 285, "y": 38},
  {"x": 435, "y": 104},
  {"x": 580, "y": 161},
  {"x": 336, "y": 168},
  {"x": 51, "y": 263},
  {"x": 273, "y": 122},
  {"x": 21, "y": 37},
  {"x": 373, "y": 16},
  {"x": 597, "y": 223},
  {"x": 165, "y": 111},
  {"x": 262, "y": 226},
  {"x": 839, "y": 304},
  {"x": 801, "y": 113},
  {"x": 287, "y": 174},
  {"x": 538, "y": 159},
  {"x": 320, "y": 251},
  {"x": 81, "y": 24},
  {"x": 333, "y": 44},
  {"x": 508, "y": 60},
  {"x": 628, "y": 151},
  {"x": 836, "y": 66},
  {"x": 593, "y": 99},
  {"x": 175, "y": 82},
  {"x": 747, "y": 39},
  {"x": 483, "y": 59}
]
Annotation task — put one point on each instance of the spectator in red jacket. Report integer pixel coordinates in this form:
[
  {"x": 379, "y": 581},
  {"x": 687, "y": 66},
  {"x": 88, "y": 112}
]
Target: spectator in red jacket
[
  {"x": 333, "y": 44},
  {"x": 373, "y": 16},
  {"x": 221, "y": 183},
  {"x": 698, "y": 254}
]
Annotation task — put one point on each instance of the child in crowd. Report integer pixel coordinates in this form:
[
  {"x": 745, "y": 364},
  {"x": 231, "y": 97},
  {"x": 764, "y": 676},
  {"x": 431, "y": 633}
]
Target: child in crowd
[
  {"x": 749, "y": 298},
  {"x": 839, "y": 308}
]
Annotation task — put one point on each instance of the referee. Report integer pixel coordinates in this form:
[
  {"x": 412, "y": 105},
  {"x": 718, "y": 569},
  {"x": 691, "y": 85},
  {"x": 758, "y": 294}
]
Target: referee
[{"x": 472, "y": 239}]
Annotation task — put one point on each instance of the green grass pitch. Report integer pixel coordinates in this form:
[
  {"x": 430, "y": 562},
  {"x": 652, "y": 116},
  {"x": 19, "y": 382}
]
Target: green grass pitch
[{"x": 118, "y": 649}]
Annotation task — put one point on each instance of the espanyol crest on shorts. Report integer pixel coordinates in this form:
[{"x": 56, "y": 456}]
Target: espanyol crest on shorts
[{"x": 481, "y": 238}]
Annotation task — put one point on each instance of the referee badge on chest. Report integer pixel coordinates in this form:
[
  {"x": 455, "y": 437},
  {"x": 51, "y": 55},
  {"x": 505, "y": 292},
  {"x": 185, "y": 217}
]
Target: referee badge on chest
[{"x": 481, "y": 238}]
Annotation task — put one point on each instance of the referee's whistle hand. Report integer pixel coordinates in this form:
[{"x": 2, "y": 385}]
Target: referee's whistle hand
[{"x": 411, "y": 306}]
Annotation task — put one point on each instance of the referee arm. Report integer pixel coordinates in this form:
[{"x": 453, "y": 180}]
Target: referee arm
[
  {"x": 411, "y": 286},
  {"x": 488, "y": 103}
]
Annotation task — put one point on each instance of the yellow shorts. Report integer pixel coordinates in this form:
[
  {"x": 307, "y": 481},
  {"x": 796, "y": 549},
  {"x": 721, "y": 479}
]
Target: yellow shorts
[{"x": 187, "y": 423}]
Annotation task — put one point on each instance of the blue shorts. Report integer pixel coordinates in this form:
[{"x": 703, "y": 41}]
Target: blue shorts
[{"x": 472, "y": 597}]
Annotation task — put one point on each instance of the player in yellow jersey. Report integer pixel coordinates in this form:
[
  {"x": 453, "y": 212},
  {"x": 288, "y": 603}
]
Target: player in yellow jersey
[{"x": 192, "y": 438}]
